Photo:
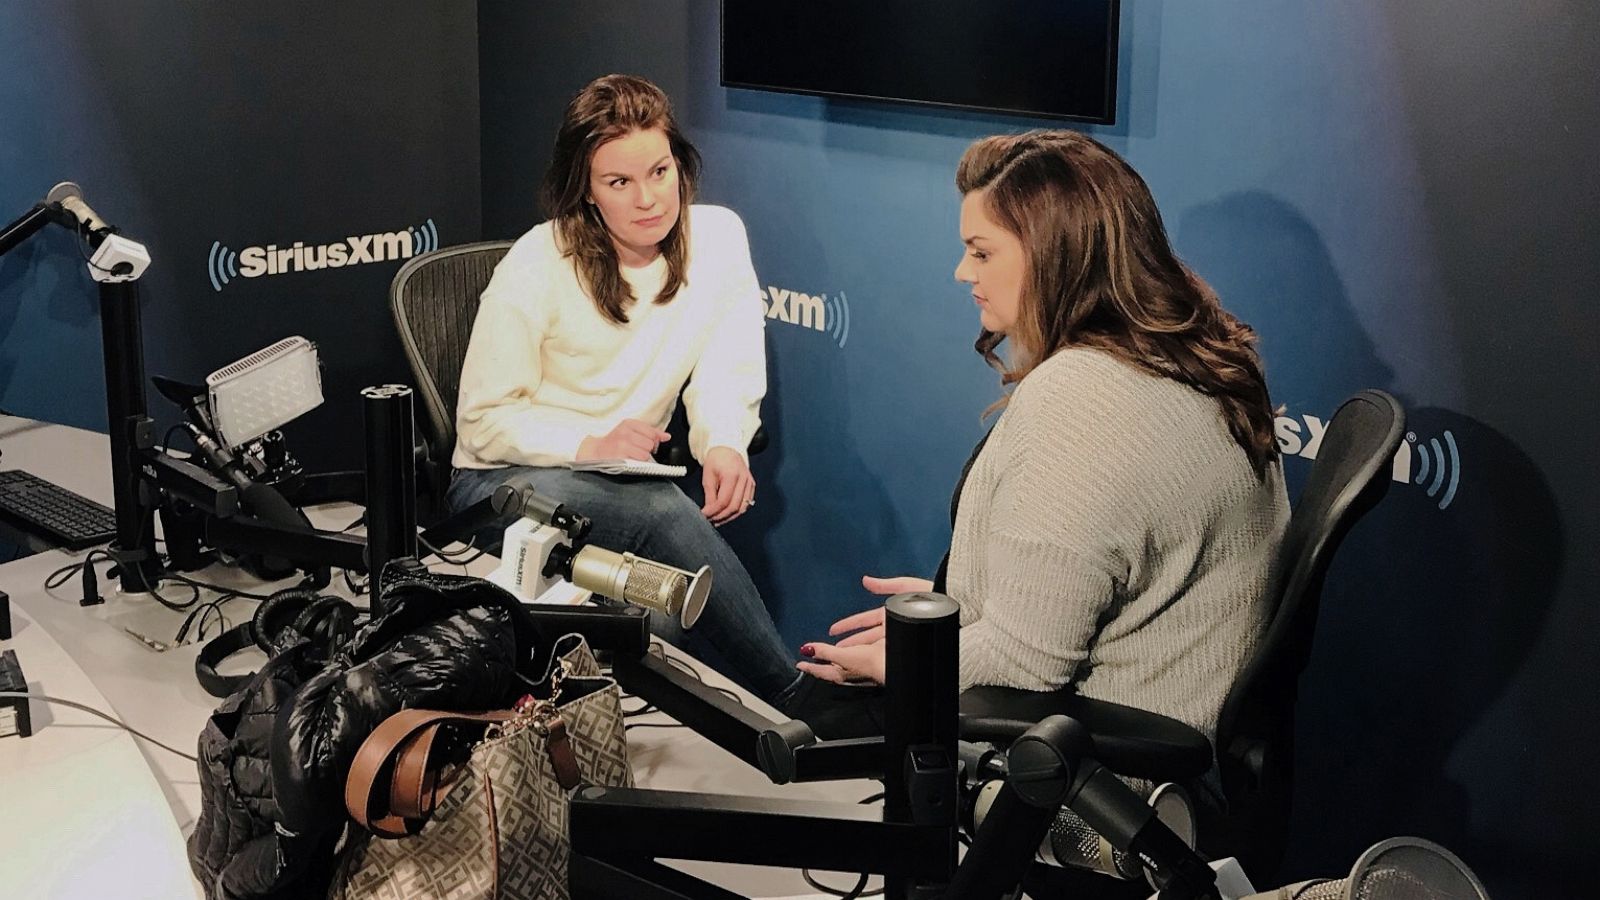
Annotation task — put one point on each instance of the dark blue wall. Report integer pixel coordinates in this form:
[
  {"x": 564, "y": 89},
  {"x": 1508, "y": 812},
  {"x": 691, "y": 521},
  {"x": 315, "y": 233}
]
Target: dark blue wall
[
  {"x": 200, "y": 128},
  {"x": 1393, "y": 193}
]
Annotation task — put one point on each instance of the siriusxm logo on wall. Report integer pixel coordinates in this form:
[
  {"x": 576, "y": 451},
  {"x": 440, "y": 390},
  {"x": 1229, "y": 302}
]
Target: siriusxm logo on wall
[
  {"x": 223, "y": 265},
  {"x": 826, "y": 313},
  {"x": 1432, "y": 464}
]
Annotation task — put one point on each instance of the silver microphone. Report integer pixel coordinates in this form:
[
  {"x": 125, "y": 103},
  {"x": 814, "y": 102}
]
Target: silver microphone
[
  {"x": 1071, "y": 842},
  {"x": 69, "y": 197},
  {"x": 643, "y": 582},
  {"x": 1400, "y": 868}
]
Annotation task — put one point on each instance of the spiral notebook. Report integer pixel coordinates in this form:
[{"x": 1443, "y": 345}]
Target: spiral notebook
[{"x": 632, "y": 467}]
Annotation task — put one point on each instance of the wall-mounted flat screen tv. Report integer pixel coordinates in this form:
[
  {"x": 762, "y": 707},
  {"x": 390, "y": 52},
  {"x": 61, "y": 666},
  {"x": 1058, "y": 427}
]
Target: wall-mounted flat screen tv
[{"x": 1055, "y": 58}]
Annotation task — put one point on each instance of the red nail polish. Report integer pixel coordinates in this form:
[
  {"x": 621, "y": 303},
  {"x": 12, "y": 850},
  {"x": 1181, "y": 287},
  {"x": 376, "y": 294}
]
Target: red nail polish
[{"x": 807, "y": 650}]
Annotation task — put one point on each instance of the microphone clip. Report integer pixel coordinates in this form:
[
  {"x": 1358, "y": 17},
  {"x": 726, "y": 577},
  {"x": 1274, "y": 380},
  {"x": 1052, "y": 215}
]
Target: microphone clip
[
  {"x": 535, "y": 564},
  {"x": 118, "y": 259}
]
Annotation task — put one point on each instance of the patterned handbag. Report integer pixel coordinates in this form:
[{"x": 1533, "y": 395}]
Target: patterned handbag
[{"x": 496, "y": 825}]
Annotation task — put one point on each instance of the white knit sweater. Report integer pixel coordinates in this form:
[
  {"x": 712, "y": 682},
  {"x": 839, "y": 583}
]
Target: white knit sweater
[
  {"x": 1112, "y": 535},
  {"x": 544, "y": 369}
]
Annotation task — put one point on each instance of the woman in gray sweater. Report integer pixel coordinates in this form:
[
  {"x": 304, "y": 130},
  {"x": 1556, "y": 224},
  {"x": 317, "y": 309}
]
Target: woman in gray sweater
[{"x": 1116, "y": 530}]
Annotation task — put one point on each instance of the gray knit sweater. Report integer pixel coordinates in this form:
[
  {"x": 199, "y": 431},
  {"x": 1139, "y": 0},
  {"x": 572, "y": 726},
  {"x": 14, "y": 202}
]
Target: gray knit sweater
[{"x": 1112, "y": 535}]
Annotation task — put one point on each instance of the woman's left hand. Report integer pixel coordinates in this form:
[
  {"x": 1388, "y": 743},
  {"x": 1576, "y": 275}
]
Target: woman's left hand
[
  {"x": 729, "y": 486},
  {"x": 838, "y": 663}
]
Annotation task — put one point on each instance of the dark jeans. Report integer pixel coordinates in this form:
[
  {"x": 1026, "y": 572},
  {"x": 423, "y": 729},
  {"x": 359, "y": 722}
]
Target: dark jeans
[
  {"x": 838, "y": 711},
  {"x": 655, "y": 519}
]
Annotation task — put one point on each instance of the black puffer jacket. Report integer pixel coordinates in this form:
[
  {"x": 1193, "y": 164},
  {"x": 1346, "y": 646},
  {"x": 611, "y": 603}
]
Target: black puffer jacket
[
  {"x": 444, "y": 642},
  {"x": 275, "y": 755},
  {"x": 235, "y": 849}
]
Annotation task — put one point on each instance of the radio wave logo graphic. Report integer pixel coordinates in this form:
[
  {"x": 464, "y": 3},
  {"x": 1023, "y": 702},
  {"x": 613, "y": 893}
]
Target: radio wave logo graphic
[
  {"x": 828, "y": 314},
  {"x": 222, "y": 264},
  {"x": 1438, "y": 466},
  {"x": 424, "y": 238},
  {"x": 838, "y": 307}
]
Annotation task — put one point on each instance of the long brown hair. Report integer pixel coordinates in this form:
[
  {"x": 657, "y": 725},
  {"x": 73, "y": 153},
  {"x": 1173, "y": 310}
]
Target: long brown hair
[
  {"x": 608, "y": 108},
  {"x": 1102, "y": 274}
]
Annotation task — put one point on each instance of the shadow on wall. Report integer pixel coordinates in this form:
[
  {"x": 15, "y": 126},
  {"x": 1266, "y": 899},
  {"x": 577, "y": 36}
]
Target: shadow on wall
[
  {"x": 1429, "y": 613},
  {"x": 43, "y": 279},
  {"x": 1271, "y": 269},
  {"x": 748, "y": 535},
  {"x": 1429, "y": 617}
]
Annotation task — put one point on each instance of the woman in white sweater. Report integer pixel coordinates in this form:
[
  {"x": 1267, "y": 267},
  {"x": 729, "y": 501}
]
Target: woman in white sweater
[
  {"x": 1117, "y": 528},
  {"x": 590, "y": 327}
]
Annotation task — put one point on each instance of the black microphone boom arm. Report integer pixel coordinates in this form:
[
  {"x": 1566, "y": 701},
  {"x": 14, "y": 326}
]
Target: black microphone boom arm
[{"x": 27, "y": 225}]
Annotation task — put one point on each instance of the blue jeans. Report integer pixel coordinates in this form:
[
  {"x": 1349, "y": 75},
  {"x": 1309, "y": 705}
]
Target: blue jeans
[{"x": 655, "y": 519}]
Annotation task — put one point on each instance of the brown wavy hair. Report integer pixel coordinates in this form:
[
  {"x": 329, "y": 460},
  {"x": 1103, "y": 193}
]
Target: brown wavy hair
[
  {"x": 608, "y": 108},
  {"x": 1102, "y": 274}
]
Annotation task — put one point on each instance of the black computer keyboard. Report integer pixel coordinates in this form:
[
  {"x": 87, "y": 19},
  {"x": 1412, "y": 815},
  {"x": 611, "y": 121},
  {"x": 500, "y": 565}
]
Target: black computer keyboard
[{"x": 52, "y": 512}]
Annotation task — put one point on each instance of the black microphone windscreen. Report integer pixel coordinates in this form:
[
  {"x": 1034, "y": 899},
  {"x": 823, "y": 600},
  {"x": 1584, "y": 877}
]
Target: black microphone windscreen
[{"x": 264, "y": 502}]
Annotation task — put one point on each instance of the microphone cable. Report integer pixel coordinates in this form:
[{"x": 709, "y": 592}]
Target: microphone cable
[
  {"x": 658, "y": 650},
  {"x": 45, "y": 698},
  {"x": 454, "y": 557},
  {"x": 860, "y": 889}
]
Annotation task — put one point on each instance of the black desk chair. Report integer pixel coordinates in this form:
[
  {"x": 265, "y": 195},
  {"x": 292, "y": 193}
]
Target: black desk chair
[
  {"x": 1255, "y": 733},
  {"x": 434, "y": 299}
]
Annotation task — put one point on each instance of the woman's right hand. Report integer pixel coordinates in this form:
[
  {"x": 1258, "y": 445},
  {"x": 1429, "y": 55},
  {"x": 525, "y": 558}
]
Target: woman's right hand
[
  {"x": 869, "y": 625},
  {"x": 631, "y": 439},
  {"x": 888, "y": 587}
]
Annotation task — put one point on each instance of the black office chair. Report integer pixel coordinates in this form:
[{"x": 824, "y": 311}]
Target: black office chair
[
  {"x": 1255, "y": 733},
  {"x": 434, "y": 298}
]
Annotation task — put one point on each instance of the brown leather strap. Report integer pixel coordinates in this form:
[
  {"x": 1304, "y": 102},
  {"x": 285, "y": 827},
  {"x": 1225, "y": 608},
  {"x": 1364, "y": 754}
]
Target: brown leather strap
[
  {"x": 562, "y": 758},
  {"x": 398, "y": 733},
  {"x": 411, "y": 790},
  {"x": 400, "y": 819}
]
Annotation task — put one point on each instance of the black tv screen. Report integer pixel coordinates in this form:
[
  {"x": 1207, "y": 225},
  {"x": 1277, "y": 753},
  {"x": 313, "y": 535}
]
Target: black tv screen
[{"x": 1040, "y": 57}]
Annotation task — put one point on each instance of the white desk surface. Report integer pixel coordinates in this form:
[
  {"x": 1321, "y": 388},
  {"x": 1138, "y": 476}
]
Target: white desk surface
[{"x": 56, "y": 787}]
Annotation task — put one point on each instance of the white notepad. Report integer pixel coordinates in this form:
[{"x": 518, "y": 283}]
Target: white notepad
[{"x": 634, "y": 467}]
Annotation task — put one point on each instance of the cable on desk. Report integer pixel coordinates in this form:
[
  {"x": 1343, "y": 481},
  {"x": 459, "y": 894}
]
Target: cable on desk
[
  {"x": 109, "y": 718},
  {"x": 222, "y": 620},
  {"x": 91, "y": 581},
  {"x": 658, "y": 650},
  {"x": 221, "y": 589},
  {"x": 155, "y": 591},
  {"x": 646, "y": 709},
  {"x": 453, "y": 557},
  {"x": 356, "y": 589},
  {"x": 682, "y": 666},
  {"x": 59, "y": 577},
  {"x": 861, "y": 883},
  {"x": 197, "y": 619}
]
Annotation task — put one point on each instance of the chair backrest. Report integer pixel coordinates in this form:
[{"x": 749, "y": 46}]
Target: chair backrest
[
  {"x": 434, "y": 298},
  {"x": 1255, "y": 731}
]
